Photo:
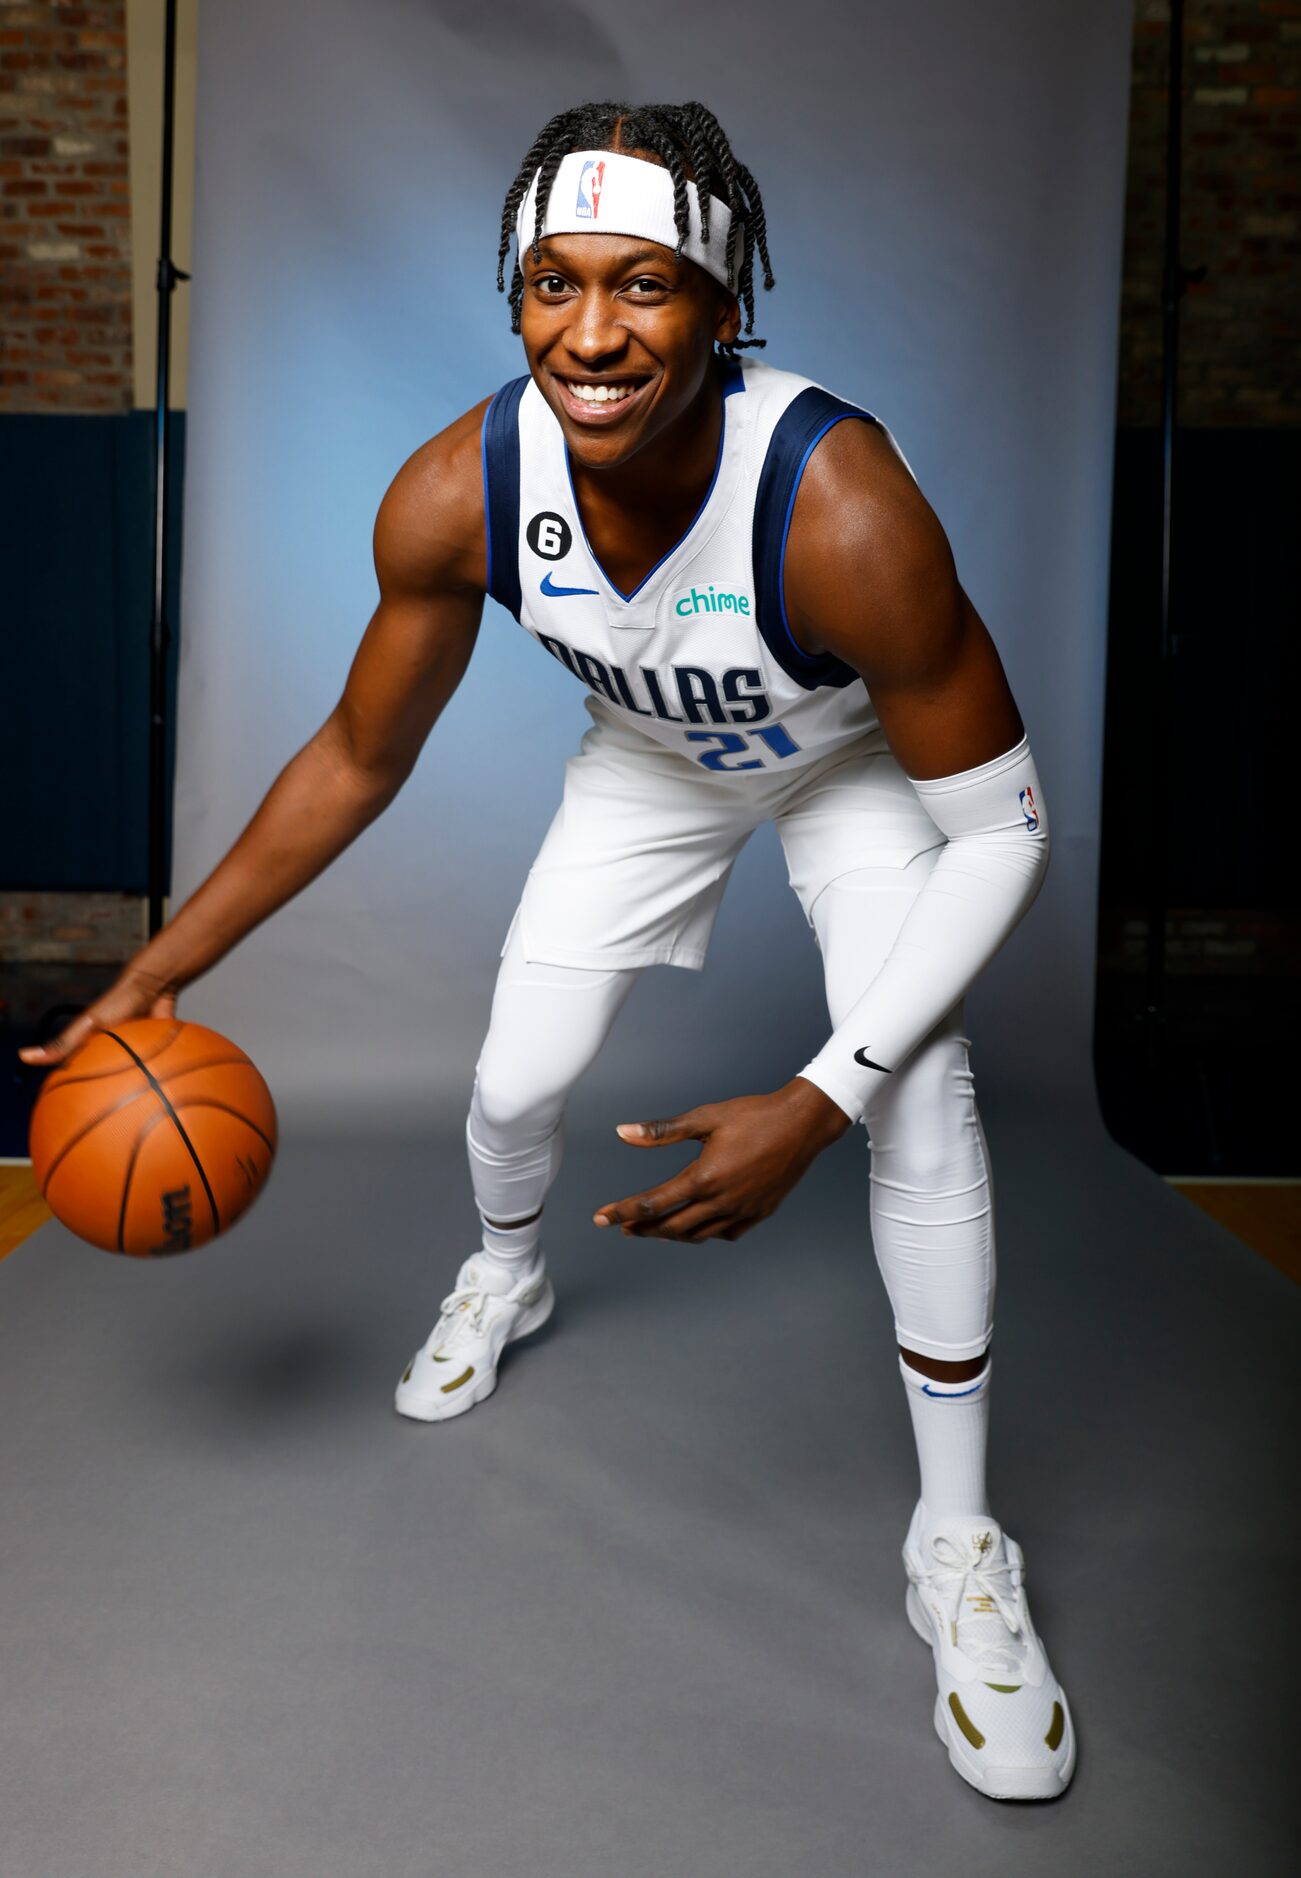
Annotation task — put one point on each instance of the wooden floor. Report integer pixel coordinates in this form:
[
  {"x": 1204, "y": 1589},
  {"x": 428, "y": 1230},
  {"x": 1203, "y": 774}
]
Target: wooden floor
[
  {"x": 22, "y": 1209},
  {"x": 1266, "y": 1215}
]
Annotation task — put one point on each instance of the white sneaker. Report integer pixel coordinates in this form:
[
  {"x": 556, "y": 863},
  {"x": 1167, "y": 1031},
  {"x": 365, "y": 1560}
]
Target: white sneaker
[
  {"x": 1000, "y": 1711},
  {"x": 484, "y": 1312}
]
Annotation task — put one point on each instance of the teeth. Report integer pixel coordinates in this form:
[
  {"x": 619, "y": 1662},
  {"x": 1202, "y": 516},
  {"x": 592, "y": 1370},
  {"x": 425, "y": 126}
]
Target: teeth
[{"x": 600, "y": 394}]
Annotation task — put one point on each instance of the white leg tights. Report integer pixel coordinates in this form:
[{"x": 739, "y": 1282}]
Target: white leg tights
[
  {"x": 932, "y": 1204},
  {"x": 547, "y": 1026}
]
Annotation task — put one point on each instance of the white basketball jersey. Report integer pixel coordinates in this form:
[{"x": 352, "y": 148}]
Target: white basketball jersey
[{"x": 699, "y": 656}]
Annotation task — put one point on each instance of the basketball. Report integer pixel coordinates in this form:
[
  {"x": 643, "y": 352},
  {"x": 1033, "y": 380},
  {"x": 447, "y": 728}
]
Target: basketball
[{"x": 154, "y": 1138}]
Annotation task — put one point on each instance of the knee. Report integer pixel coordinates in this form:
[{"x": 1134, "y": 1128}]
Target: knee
[
  {"x": 923, "y": 1124},
  {"x": 506, "y": 1112}
]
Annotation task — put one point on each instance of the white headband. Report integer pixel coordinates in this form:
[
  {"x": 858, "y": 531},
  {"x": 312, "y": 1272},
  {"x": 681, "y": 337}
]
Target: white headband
[{"x": 604, "y": 192}]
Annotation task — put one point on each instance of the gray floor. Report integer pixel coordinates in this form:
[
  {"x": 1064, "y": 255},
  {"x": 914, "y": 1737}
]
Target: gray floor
[{"x": 640, "y": 1614}]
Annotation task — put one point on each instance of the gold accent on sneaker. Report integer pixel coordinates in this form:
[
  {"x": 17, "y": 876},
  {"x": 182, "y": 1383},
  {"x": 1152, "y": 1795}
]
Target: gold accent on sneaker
[
  {"x": 1005, "y": 1688},
  {"x": 1053, "y": 1739},
  {"x": 406, "y": 1374},
  {"x": 966, "y": 1724},
  {"x": 457, "y": 1381}
]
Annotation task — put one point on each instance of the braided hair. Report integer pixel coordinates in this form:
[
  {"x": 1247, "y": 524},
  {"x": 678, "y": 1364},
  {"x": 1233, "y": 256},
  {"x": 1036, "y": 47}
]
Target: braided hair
[{"x": 692, "y": 145}]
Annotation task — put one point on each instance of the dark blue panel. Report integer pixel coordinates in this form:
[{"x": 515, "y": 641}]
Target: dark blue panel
[{"x": 76, "y": 534}]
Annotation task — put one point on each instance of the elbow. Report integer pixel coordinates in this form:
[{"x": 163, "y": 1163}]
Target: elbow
[
  {"x": 1041, "y": 853},
  {"x": 373, "y": 778},
  {"x": 1041, "y": 868}
]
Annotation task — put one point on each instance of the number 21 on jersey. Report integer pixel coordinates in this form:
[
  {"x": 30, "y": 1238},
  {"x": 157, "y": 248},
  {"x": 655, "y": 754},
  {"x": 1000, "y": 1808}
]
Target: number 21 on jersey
[{"x": 733, "y": 743}]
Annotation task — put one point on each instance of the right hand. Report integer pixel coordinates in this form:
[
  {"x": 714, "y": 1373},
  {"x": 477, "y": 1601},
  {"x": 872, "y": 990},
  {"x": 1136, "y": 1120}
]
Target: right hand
[{"x": 136, "y": 993}]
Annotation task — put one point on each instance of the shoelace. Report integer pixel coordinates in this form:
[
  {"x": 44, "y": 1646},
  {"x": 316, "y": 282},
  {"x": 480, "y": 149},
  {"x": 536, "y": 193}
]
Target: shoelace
[
  {"x": 952, "y": 1572},
  {"x": 474, "y": 1298}
]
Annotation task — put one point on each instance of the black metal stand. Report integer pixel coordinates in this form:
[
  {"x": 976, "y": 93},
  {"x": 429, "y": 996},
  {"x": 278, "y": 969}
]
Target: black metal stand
[
  {"x": 160, "y": 636},
  {"x": 1175, "y": 284}
]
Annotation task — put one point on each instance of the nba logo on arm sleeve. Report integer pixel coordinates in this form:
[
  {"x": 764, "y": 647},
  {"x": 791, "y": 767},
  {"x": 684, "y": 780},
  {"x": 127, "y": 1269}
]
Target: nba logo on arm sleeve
[{"x": 1029, "y": 810}]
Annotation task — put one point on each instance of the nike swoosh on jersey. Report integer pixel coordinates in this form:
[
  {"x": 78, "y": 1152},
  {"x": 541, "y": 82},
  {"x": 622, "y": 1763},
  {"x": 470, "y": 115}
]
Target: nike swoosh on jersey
[
  {"x": 561, "y": 593},
  {"x": 861, "y": 1056}
]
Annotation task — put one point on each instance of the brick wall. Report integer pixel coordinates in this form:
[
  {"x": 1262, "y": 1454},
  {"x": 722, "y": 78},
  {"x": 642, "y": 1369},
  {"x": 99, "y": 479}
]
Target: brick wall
[
  {"x": 65, "y": 212},
  {"x": 1239, "y": 357},
  {"x": 51, "y": 928}
]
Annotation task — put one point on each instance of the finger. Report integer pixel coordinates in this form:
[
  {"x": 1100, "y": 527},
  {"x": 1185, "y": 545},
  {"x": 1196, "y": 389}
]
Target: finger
[
  {"x": 688, "y": 1127},
  {"x": 689, "y": 1225},
  {"x": 164, "y": 1006},
  {"x": 717, "y": 1226},
  {"x": 655, "y": 1203},
  {"x": 66, "y": 1044}
]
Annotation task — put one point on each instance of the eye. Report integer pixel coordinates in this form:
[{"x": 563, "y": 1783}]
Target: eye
[
  {"x": 550, "y": 283},
  {"x": 647, "y": 283}
]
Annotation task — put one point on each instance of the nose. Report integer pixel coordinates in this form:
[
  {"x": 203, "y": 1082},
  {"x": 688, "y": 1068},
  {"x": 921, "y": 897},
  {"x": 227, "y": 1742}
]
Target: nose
[{"x": 594, "y": 333}]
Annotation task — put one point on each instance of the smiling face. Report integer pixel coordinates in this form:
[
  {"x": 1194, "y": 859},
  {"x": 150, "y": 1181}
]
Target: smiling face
[{"x": 619, "y": 338}]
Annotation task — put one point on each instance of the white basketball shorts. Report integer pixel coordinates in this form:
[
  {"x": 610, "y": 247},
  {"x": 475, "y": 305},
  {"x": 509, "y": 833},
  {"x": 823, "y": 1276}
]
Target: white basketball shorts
[{"x": 633, "y": 868}]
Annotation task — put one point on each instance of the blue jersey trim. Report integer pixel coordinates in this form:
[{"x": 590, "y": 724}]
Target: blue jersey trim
[
  {"x": 500, "y": 454},
  {"x": 733, "y": 379},
  {"x": 797, "y": 434},
  {"x": 487, "y": 496}
]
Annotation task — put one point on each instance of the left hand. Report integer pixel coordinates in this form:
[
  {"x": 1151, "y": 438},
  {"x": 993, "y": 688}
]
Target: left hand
[{"x": 755, "y": 1150}]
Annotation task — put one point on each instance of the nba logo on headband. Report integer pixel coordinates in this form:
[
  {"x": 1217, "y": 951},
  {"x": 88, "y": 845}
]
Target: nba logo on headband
[
  {"x": 590, "y": 179},
  {"x": 635, "y": 198}
]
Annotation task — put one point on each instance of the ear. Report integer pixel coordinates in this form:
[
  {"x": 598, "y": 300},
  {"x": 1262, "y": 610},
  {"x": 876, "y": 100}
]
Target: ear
[{"x": 727, "y": 326}]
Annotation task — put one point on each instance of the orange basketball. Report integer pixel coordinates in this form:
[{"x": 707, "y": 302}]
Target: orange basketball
[{"x": 154, "y": 1138}]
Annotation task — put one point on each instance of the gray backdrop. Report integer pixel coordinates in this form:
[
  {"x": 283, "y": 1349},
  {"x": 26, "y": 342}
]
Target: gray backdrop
[{"x": 944, "y": 188}]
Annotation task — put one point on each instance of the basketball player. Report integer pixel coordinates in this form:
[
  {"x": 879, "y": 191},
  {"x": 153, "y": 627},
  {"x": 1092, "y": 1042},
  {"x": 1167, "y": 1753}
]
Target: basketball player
[{"x": 742, "y": 573}]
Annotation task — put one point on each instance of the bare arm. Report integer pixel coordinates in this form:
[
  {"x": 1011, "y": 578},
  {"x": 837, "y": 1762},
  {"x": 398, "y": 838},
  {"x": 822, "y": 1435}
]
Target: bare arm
[{"x": 430, "y": 556}]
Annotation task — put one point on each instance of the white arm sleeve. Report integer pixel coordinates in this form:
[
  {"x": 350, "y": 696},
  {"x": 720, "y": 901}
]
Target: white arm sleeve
[{"x": 986, "y": 877}]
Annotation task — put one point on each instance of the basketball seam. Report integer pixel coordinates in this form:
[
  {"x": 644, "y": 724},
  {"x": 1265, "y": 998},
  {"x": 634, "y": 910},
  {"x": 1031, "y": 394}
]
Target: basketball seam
[
  {"x": 177, "y": 1124},
  {"x": 213, "y": 1062},
  {"x": 136, "y": 1146},
  {"x": 57, "y": 1080},
  {"x": 210, "y": 1102},
  {"x": 90, "y": 1127}
]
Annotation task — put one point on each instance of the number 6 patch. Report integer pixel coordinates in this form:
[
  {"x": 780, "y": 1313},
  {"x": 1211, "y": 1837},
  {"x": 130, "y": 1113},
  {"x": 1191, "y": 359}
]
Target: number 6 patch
[{"x": 549, "y": 536}]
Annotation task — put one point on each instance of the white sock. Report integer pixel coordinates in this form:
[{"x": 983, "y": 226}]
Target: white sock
[
  {"x": 514, "y": 1250},
  {"x": 950, "y": 1423}
]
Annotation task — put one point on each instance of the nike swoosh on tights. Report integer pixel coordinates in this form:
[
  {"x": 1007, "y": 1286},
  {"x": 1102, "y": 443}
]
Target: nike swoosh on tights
[
  {"x": 861, "y": 1056},
  {"x": 561, "y": 593}
]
